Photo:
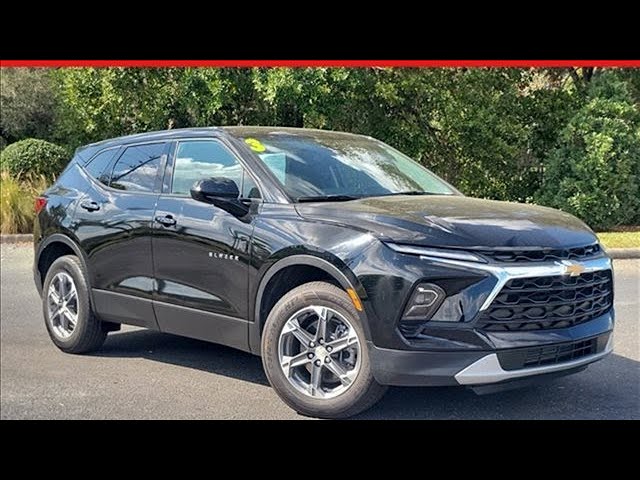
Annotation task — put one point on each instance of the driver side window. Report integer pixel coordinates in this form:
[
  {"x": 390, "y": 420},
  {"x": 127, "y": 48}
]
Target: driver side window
[{"x": 199, "y": 159}]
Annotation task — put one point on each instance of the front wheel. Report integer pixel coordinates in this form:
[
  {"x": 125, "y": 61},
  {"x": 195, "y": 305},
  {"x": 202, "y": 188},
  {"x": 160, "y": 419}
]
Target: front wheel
[{"x": 315, "y": 355}]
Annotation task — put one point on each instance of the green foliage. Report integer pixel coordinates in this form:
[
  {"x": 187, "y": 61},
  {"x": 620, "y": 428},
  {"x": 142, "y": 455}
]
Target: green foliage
[
  {"x": 108, "y": 102},
  {"x": 29, "y": 103},
  {"x": 33, "y": 157},
  {"x": 632, "y": 78},
  {"x": 484, "y": 130},
  {"x": 17, "y": 202},
  {"x": 502, "y": 133},
  {"x": 594, "y": 172}
]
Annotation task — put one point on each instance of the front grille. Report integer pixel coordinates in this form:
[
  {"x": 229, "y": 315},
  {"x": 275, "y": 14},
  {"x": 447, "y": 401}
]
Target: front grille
[
  {"x": 549, "y": 302},
  {"x": 551, "y": 354},
  {"x": 544, "y": 255}
]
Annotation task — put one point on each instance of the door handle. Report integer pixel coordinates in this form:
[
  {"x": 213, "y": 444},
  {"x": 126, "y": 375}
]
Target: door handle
[
  {"x": 167, "y": 220},
  {"x": 90, "y": 206}
]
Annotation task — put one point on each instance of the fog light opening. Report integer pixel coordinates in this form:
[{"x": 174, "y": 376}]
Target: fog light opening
[
  {"x": 424, "y": 302},
  {"x": 426, "y": 296}
]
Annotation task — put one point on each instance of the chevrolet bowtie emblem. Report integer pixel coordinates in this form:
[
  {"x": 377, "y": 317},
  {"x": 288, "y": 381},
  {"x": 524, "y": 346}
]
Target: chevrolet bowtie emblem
[{"x": 572, "y": 269}]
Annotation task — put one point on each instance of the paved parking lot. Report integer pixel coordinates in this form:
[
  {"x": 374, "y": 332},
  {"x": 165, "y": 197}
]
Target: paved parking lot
[{"x": 142, "y": 374}]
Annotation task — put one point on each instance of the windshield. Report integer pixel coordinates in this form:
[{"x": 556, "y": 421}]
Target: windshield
[{"x": 315, "y": 165}]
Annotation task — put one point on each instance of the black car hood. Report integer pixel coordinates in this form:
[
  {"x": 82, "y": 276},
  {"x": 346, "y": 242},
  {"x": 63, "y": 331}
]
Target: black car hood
[{"x": 454, "y": 221}]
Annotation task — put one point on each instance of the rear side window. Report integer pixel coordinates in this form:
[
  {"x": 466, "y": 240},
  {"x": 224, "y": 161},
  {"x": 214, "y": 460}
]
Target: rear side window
[
  {"x": 97, "y": 167},
  {"x": 137, "y": 168}
]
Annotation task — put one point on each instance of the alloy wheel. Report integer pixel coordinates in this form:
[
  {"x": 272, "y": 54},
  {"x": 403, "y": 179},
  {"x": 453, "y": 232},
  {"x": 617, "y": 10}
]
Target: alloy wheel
[
  {"x": 319, "y": 352},
  {"x": 62, "y": 305}
]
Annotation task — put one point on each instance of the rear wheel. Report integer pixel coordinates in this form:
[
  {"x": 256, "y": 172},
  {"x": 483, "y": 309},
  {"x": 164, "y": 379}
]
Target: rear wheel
[
  {"x": 315, "y": 355},
  {"x": 70, "y": 322}
]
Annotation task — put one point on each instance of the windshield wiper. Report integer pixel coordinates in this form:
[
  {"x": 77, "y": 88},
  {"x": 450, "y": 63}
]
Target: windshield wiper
[
  {"x": 409, "y": 192},
  {"x": 327, "y": 198}
]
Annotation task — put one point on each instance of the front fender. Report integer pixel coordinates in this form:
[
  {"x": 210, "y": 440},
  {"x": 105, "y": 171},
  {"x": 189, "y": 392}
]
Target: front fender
[{"x": 295, "y": 256}]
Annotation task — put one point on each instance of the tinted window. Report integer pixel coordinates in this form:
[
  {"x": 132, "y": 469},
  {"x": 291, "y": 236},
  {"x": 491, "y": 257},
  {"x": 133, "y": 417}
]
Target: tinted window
[
  {"x": 137, "y": 168},
  {"x": 97, "y": 167},
  {"x": 314, "y": 164},
  {"x": 196, "y": 160}
]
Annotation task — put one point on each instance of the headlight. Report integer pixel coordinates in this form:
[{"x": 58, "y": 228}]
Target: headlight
[
  {"x": 436, "y": 253},
  {"x": 425, "y": 300}
]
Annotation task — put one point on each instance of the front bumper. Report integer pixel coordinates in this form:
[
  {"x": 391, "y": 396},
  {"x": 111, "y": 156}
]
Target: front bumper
[{"x": 471, "y": 368}]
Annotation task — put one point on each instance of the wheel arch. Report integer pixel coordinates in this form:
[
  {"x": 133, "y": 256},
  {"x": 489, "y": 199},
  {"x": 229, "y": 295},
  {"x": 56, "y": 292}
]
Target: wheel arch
[
  {"x": 331, "y": 266},
  {"x": 43, "y": 258}
]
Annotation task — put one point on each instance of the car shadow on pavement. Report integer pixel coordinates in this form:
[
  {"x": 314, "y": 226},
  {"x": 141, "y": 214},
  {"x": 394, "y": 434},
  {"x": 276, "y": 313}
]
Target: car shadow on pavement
[
  {"x": 185, "y": 352},
  {"x": 606, "y": 390}
]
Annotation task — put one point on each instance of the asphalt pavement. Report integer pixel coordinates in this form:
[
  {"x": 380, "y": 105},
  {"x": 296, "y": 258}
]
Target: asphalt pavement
[{"x": 149, "y": 375}]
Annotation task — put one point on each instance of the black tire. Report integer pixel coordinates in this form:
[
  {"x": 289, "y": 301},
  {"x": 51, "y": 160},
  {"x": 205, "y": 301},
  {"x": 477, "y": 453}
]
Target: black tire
[
  {"x": 363, "y": 393},
  {"x": 88, "y": 334}
]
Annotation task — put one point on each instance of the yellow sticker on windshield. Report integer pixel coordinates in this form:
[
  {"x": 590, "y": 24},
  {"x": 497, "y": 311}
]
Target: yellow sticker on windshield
[{"x": 255, "y": 145}]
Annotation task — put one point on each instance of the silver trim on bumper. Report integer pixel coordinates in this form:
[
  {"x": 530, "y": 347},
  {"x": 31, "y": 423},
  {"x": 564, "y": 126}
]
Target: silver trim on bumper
[{"x": 488, "y": 368}]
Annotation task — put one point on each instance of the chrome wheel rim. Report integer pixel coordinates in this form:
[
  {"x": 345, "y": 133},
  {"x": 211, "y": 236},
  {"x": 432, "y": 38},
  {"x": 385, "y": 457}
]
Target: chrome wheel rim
[
  {"x": 319, "y": 352},
  {"x": 62, "y": 305}
]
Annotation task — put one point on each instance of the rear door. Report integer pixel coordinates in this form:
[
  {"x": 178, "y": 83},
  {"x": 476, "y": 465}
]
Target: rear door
[
  {"x": 114, "y": 226},
  {"x": 201, "y": 252}
]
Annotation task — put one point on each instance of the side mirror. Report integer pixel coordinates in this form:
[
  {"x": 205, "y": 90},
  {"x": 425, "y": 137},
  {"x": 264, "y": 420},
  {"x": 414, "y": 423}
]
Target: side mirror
[{"x": 221, "y": 192}]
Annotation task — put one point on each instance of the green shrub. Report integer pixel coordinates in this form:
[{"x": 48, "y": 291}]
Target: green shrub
[
  {"x": 17, "y": 202},
  {"x": 33, "y": 157},
  {"x": 594, "y": 172}
]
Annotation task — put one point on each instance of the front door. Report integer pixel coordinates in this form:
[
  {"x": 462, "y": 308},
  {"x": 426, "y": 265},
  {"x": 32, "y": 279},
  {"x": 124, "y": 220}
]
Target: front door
[{"x": 201, "y": 253}]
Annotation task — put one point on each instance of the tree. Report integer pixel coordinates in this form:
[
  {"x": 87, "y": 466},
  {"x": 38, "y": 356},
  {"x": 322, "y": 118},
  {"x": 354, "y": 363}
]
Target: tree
[
  {"x": 108, "y": 102},
  {"x": 594, "y": 172},
  {"x": 472, "y": 126},
  {"x": 493, "y": 132},
  {"x": 29, "y": 104}
]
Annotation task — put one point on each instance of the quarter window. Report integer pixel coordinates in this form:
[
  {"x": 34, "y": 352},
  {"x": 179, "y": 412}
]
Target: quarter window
[
  {"x": 97, "y": 167},
  {"x": 137, "y": 168},
  {"x": 200, "y": 159}
]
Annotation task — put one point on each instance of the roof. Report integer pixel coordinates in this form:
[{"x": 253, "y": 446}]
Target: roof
[
  {"x": 155, "y": 135},
  {"x": 249, "y": 130},
  {"x": 87, "y": 151}
]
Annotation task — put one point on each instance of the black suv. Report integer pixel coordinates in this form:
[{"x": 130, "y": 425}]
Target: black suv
[{"x": 343, "y": 263}]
